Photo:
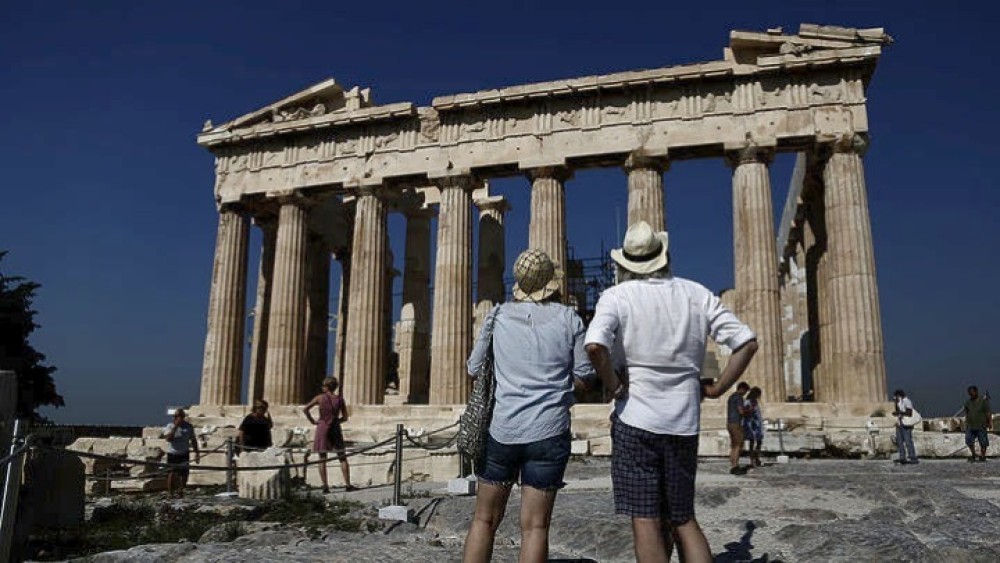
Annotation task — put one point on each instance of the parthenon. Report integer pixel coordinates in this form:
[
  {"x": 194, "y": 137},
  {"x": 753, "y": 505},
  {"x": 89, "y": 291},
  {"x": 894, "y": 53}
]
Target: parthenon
[{"x": 318, "y": 172}]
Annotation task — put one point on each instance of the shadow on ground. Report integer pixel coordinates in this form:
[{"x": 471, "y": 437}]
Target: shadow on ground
[{"x": 742, "y": 551}]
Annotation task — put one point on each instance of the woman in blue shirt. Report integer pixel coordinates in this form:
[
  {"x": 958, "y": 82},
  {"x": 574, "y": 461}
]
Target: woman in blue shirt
[{"x": 538, "y": 349}]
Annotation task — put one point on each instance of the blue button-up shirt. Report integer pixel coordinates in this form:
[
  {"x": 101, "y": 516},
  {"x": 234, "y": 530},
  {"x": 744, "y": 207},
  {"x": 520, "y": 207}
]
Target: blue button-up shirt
[{"x": 538, "y": 349}]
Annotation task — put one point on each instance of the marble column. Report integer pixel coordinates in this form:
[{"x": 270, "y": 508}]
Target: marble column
[
  {"x": 856, "y": 343},
  {"x": 415, "y": 314},
  {"x": 262, "y": 305},
  {"x": 222, "y": 370},
  {"x": 758, "y": 299},
  {"x": 364, "y": 360},
  {"x": 317, "y": 314},
  {"x": 645, "y": 190},
  {"x": 340, "y": 344},
  {"x": 451, "y": 333},
  {"x": 284, "y": 382},
  {"x": 547, "y": 228},
  {"x": 387, "y": 325},
  {"x": 489, "y": 279}
]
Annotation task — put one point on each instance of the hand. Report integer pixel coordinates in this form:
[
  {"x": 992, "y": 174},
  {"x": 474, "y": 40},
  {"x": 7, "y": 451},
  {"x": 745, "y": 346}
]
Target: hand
[{"x": 710, "y": 391}]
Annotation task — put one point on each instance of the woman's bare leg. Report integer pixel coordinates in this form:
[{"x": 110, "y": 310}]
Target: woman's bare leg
[{"x": 491, "y": 503}]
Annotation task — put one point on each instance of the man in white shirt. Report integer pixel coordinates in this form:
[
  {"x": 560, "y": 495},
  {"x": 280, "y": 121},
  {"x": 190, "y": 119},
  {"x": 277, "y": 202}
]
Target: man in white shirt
[
  {"x": 661, "y": 323},
  {"x": 904, "y": 431}
]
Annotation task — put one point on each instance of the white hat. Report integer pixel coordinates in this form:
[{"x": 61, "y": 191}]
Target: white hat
[
  {"x": 536, "y": 276},
  {"x": 643, "y": 250}
]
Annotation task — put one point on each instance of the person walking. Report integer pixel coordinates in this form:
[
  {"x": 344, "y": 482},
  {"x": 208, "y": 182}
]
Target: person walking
[
  {"x": 904, "y": 431},
  {"x": 181, "y": 439},
  {"x": 734, "y": 426},
  {"x": 255, "y": 430},
  {"x": 538, "y": 357},
  {"x": 978, "y": 419},
  {"x": 753, "y": 425},
  {"x": 329, "y": 434},
  {"x": 661, "y": 323}
]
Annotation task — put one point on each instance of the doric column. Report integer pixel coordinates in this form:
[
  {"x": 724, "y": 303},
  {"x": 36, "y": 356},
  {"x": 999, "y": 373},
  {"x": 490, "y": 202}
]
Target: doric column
[
  {"x": 222, "y": 370},
  {"x": 758, "y": 300},
  {"x": 415, "y": 315},
  {"x": 645, "y": 190},
  {"x": 451, "y": 335},
  {"x": 262, "y": 307},
  {"x": 343, "y": 255},
  {"x": 387, "y": 310},
  {"x": 365, "y": 361},
  {"x": 489, "y": 280},
  {"x": 547, "y": 228},
  {"x": 858, "y": 360},
  {"x": 285, "y": 373},
  {"x": 317, "y": 314}
]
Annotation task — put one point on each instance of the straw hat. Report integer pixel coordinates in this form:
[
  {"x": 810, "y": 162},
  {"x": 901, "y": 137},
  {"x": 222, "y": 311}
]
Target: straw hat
[
  {"x": 536, "y": 276},
  {"x": 643, "y": 251}
]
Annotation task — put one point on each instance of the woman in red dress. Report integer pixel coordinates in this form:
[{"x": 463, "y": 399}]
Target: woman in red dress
[{"x": 329, "y": 435}]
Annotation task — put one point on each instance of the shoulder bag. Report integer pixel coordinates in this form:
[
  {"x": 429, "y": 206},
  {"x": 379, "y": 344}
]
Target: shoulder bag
[{"x": 474, "y": 426}]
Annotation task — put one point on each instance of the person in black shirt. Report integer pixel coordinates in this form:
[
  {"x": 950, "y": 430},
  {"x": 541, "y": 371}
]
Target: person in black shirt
[{"x": 255, "y": 430}]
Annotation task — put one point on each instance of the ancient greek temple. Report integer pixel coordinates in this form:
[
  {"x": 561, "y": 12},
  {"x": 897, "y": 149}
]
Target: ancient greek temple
[{"x": 318, "y": 172}]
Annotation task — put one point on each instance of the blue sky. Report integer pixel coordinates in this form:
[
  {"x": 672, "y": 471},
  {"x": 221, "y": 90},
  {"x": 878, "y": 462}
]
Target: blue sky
[{"x": 107, "y": 200}]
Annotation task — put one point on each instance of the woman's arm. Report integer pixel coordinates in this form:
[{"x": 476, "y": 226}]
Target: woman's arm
[
  {"x": 309, "y": 407},
  {"x": 343, "y": 411}
]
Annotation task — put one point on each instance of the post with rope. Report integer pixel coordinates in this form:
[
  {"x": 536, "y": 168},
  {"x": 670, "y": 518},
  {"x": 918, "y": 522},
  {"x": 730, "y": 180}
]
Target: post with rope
[
  {"x": 14, "y": 463},
  {"x": 397, "y": 511},
  {"x": 781, "y": 441},
  {"x": 231, "y": 473}
]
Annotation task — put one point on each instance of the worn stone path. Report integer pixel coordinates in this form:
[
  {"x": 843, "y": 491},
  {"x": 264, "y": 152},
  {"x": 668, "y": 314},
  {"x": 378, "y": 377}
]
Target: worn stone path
[{"x": 826, "y": 510}]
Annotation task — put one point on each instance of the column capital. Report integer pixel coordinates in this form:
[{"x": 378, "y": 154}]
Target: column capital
[
  {"x": 465, "y": 182},
  {"x": 497, "y": 203},
  {"x": 749, "y": 154},
  {"x": 556, "y": 172},
  {"x": 848, "y": 143},
  {"x": 232, "y": 206},
  {"x": 293, "y": 197},
  {"x": 646, "y": 159}
]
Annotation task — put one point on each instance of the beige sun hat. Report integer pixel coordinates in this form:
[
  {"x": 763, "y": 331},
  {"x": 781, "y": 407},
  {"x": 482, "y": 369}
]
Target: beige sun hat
[
  {"x": 643, "y": 250},
  {"x": 536, "y": 276}
]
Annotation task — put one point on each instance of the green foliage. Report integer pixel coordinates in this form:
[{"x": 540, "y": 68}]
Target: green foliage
[{"x": 17, "y": 321}]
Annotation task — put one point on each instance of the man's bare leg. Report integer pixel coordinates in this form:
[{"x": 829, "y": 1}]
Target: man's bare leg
[
  {"x": 650, "y": 542},
  {"x": 692, "y": 544},
  {"x": 491, "y": 503}
]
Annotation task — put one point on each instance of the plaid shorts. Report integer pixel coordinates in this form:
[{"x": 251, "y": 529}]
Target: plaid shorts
[{"x": 653, "y": 474}]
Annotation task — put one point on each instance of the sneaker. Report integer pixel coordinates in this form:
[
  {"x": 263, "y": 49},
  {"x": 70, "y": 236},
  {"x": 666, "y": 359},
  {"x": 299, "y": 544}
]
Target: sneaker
[
  {"x": 326, "y": 490},
  {"x": 982, "y": 458},
  {"x": 350, "y": 488},
  {"x": 738, "y": 471},
  {"x": 973, "y": 459},
  {"x": 914, "y": 461}
]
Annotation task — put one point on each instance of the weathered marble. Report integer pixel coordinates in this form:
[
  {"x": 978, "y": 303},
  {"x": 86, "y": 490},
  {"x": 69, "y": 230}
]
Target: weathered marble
[{"x": 547, "y": 228}]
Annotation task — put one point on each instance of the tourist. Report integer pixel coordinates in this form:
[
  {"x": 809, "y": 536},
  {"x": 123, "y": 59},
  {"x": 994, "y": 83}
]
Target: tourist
[
  {"x": 255, "y": 430},
  {"x": 661, "y": 323},
  {"x": 904, "y": 432},
  {"x": 181, "y": 439},
  {"x": 734, "y": 425},
  {"x": 538, "y": 356},
  {"x": 329, "y": 434},
  {"x": 753, "y": 425},
  {"x": 978, "y": 419}
]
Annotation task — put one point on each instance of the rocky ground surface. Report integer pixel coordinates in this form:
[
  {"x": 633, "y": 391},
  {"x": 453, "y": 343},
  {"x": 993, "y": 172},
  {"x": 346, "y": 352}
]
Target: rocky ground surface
[{"x": 808, "y": 510}]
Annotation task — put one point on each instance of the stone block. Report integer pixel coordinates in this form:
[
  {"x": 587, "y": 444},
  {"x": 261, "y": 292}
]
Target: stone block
[
  {"x": 794, "y": 442},
  {"x": 580, "y": 447},
  {"x": 140, "y": 485},
  {"x": 208, "y": 476},
  {"x": 463, "y": 486},
  {"x": 600, "y": 446},
  {"x": 396, "y": 513},
  {"x": 263, "y": 484},
  {"x": 55, "y": 496}
]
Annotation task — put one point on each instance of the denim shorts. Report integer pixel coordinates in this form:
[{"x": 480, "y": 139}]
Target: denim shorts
[
  {"x": 972, "y": 435},
  {"x": 540, "y": 464}
]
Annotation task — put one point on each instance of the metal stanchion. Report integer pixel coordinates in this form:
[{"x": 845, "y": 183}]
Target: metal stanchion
[
  {"x": 11, "y": 490},
  {"x": 781, "y": 441},
  {"x": 398, "y": 485},
  {"x": 397, "y": 511},
  {"x": 231, "y": 474}
]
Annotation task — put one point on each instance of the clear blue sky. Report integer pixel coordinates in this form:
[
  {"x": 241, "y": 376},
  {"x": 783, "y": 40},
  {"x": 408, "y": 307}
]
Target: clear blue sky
[{"x": 107, "y": 200}]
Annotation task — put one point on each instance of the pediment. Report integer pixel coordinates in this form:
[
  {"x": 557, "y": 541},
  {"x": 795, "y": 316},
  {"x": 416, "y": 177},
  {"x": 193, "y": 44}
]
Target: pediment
[{"x": 320, "y": 99}]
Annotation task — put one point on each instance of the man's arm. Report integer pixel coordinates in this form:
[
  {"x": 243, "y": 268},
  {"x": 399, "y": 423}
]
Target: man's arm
[
  {"x": 601, "y": 360},
  {"x": 194, "y": 445},
  {"x": 168, "y": 434},
  {"x": 738, "y": 363}
]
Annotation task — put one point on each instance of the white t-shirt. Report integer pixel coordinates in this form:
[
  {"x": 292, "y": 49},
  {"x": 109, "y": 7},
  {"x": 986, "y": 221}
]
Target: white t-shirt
[{"x": 662, "y": 326}]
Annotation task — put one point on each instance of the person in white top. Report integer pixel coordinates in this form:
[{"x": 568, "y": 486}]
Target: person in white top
[
  {"x": 904, "y": 428},
  {"x": 660, "y": 324}
]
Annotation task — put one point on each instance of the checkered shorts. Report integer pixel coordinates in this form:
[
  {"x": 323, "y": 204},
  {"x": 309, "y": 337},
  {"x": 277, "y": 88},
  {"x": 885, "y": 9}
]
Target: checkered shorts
[{"x": 653, "y": 474}]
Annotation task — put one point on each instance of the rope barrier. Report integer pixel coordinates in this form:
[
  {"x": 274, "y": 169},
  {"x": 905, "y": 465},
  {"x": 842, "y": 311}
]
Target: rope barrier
[{"x": 7, "y": 459}]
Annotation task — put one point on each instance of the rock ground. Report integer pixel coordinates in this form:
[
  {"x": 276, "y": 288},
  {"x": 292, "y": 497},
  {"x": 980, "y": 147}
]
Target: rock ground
[{"x": 808, "y": 510}]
